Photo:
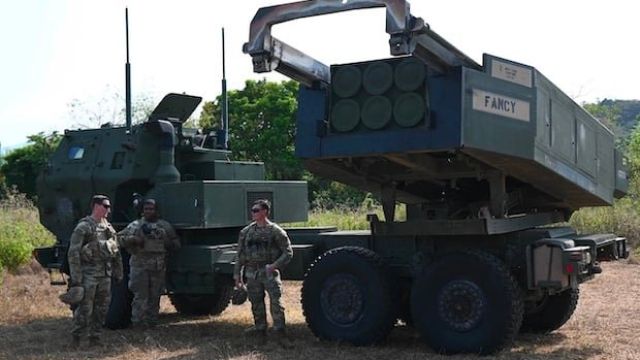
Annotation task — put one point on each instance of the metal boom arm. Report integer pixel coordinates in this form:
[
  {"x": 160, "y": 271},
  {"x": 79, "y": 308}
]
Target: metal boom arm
[{"x": 409, "y": 35}]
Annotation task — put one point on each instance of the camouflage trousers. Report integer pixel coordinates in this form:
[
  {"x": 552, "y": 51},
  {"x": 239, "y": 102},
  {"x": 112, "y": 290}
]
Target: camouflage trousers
[
  {"x": 90, "y": 314},
  {"x": 257, "y": 283},
  {"x": 147, "y": 287}
]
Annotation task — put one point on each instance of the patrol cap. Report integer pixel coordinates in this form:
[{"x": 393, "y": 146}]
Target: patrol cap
[{"x": 239, "y": 296}]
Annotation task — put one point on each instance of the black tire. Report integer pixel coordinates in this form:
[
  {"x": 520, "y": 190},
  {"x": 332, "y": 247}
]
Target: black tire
[
  {"x": 119, "y": 314},
  {"x": 551, "y": 312},
  {"x": 348, "y": 295},
  {"x": 205, "y": 304},
  {"x": 467, "y": 303}
]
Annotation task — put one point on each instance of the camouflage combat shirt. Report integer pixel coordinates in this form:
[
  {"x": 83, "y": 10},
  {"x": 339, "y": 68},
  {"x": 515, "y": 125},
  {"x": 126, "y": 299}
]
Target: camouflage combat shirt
[
  {"x": 262, "y": 245},
  {"x": 158, "y": 237},
  {"x": 93, "y": 250}
]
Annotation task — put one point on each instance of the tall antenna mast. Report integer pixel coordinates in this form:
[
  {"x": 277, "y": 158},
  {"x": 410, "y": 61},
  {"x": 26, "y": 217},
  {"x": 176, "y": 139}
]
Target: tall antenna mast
[
  {"x": 224, "y": 108},
  {"x": 127, "y": 71}
]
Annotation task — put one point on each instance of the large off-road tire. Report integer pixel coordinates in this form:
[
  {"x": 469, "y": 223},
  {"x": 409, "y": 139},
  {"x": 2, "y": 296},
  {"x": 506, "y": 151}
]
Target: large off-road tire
[
  {"x": 467, "y": 303},
  {"x": 348, "y": 295},
  {"x": 551, "y": 312},
  {"x": 205, "y": 304},
  {"x": 119, "y": 314}
]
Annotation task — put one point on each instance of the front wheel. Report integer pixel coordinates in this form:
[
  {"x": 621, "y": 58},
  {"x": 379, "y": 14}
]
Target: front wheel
[
  {"x": 205, "y": 304},
  {"x": 467, "y": 303},
  {"x": 347, "y": 295}
]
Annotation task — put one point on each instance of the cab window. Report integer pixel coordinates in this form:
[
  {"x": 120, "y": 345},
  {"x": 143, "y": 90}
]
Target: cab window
[{"x": 76, "y": 153}]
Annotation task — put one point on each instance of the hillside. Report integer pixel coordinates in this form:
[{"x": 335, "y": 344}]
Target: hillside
[{"x": 628, "y": 110}]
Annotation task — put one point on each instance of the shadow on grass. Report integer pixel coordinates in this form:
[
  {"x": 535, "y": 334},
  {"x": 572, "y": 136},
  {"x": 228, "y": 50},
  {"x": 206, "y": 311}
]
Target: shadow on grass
[{"x": 178, "y": 337}]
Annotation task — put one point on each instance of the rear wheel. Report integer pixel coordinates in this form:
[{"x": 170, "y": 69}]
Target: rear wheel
[
  {"x": 347, "y": 295},
  {"x": 205, "y": 304},
  {"x": 467, "y": 303},
  {"x": 551, "y": 312}
]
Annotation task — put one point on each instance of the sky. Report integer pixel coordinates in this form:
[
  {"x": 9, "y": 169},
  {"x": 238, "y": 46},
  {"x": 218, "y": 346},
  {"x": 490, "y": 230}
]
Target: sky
[{"x": 55, "y": 53}]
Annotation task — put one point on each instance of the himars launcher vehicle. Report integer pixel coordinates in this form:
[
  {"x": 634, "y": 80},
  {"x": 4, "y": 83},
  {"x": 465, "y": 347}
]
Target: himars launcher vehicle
[{"x": 484, "y": 157}]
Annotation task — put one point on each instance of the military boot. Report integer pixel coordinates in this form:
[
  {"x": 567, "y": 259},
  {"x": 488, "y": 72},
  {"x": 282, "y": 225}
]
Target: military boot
[
  {"x": 75, "y": 342},
  {"x": 257, "y": 334},
  {"x": 94, "y": 341},
  {"x": 283, "y": 339}
]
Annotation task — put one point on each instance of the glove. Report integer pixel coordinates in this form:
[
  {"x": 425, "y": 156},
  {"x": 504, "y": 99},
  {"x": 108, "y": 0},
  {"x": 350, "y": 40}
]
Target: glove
[
  {"x": 138, "y": 240},
  {"x": 160, "y": 233},
  {"x": 146, "y": 229}
]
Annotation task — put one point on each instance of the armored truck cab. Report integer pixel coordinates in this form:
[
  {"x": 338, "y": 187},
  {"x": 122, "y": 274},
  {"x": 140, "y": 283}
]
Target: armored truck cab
[{"x": 200, "y": 191}]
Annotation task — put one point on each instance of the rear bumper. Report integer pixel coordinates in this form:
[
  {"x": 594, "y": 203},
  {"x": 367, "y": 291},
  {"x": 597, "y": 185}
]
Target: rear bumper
[{"x": 605, "y": 247}]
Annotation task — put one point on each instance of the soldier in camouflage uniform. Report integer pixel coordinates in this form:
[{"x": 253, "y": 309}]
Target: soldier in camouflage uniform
[
  {"x": 93, "y": 259},
  {"x": 263, "y": 250},
  {"x": 148, "y": 240}
]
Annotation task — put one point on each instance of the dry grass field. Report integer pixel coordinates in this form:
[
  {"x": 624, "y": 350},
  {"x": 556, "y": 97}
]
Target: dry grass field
[{"x": 35, "y": 325}]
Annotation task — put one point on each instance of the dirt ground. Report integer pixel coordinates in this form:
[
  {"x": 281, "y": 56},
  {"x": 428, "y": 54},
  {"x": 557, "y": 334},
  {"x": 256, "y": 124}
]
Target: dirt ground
[{"x": 34, "y": 324}]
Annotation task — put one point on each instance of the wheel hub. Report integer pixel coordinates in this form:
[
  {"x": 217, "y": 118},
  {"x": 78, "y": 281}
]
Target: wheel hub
[
  {"x": 461, "y": 304},
  {"x": 342, "y": 299}
]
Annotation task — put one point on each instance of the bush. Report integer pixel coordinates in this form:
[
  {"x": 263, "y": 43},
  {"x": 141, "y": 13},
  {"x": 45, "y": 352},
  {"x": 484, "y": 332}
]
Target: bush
[
  {"x": 621, "y": 219},
  {"x": 14, "y": 253},
  {"x": 20, "y": 230}
]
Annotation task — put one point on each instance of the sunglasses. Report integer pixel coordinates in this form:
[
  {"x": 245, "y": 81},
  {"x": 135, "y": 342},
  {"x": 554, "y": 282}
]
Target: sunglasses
[
  {"x": 106, "y": 206},
  {"x": 255, "y": 210}
]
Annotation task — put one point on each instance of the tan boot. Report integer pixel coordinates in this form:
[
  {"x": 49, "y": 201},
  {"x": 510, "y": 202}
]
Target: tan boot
[
  {"x": 94, "y": 341},
  {"x": 283, "y": 339},
  {"x": 258, "y": 334},
  {"x": 75, "y": 343}
]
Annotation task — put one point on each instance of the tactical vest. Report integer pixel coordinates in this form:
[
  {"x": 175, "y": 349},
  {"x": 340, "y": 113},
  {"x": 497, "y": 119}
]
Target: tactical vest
[
  {"x": 260, "y": 245},
  {"x": 98, "y": 248}
]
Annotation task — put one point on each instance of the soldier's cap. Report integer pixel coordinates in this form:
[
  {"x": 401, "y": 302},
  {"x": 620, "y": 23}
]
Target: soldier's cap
[
  {"x": 73, "y": 296},
  {"x": 239, "y": 296}
]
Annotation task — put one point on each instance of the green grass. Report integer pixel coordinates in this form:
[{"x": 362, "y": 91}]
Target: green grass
[
  {"x": 622, "y": 219},
  {"x": 345, "y": 218},
  {"x": 20, "y": 231}
]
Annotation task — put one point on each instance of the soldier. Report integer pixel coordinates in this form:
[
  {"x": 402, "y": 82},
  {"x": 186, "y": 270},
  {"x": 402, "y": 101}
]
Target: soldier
[
  {"x": 263, "y": 250},
  {"x": 93, "y": 259},
  {"x": 148, "y": 240}
]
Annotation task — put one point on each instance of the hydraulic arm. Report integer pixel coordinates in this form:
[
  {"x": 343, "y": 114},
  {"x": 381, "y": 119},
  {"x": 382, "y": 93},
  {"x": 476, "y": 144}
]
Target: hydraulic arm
[{"x": 408, "y": 35}]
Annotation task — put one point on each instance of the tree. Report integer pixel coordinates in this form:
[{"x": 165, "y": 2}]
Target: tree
[
  {"x": 92, "y": 112},
  {"x": 608, "y": 114},
  {"x": 262, "y": 128},
  {"x": 21, "y": 166},
  {"x": 261, "y": 125}
]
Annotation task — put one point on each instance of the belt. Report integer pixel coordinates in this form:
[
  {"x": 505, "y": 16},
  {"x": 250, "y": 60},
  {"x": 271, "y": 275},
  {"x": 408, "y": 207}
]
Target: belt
[{"x": 256, "y": 264}]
